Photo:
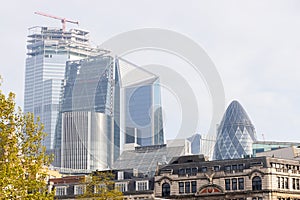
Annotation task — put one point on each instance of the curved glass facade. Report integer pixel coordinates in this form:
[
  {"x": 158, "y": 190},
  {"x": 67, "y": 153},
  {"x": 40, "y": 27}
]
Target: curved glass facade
[
  {"x": 235, "y": 134},
  {"x": 88, "y": 130}
]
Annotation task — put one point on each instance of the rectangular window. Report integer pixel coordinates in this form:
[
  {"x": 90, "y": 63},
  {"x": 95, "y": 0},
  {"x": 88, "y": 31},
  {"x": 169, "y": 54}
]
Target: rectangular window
[
  {"x": 227, "y": 184},
  {"x": 234, "y": 167},
  {"x": 204, "y": 169},
  {"x": 260, "y": 198},
  {"x": 216, "y": 168},
  {"x": 194, "y": 186},
  {"x": 181, "y": 172},
  {"x": 60, "y": 191},
  {"x": 181, "y": 187},
  {"x": 273, "y": 165},
  {"x": 141, "y": 185},
  {"x": 282, "y": 183},
  {"x": 194, "y": 171},
  {"x": 187, "y": 187},
  {"x": 78, "y": 189},
  {"x": 234, "y": 184},
  {"x": 294, "y": 184},
  {"x": 121, "y": 186},
  {"x": 240, "y": 166},
  {"x": 297, "y": 184},
  {"x": 227, "y": 168},
  {"x": 286, "y": 183},
  {"x": 120, "y": 175},
  {"x": 278, "y": 180},
  {"x": 188, "y": 171},
  {"x": 99, "y": 188},
  {"x": 241, "y": 183}
]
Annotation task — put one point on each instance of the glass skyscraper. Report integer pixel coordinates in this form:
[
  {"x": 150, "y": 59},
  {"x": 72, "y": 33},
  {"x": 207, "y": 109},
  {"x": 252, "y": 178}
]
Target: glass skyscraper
[
  {"x": 85, "y": 103},
  {"x": 143, "y": 123},
  {"x": 235, "y": 134},
  {"x": 48, "y": 49},
  {"x": 89, "y": 126},
  {"x": 88, "y": 133}
]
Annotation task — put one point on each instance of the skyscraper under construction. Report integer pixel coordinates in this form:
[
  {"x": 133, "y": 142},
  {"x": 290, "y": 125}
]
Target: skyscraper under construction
[
  {"x": 77, "y": 91},
  {"x": 48, "y": 49}
]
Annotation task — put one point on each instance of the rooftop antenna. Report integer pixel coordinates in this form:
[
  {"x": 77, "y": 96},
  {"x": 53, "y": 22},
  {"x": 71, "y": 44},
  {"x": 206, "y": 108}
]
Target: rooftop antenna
[{"x": 62, "y": 19}]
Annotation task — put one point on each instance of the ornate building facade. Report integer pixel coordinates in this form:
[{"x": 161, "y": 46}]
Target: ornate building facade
[{"x": 192, "y": 177}]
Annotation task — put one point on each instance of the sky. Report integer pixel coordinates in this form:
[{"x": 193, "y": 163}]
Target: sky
[{"x": 254, "y": 45}]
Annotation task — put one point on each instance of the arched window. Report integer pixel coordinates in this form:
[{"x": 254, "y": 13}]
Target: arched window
[
  {"x": 165, "y": 190},
  {"x": 256, "y": 183}
]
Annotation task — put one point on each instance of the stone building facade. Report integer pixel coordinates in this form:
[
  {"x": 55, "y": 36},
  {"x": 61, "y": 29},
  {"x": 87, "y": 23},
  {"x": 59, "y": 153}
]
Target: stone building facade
[
  {"x": 261, "y": 178},
  {"x": 194, "y": 177}
]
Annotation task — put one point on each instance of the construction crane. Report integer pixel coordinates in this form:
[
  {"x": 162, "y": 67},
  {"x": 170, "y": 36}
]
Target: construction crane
[{"x": 63, "y": 20}]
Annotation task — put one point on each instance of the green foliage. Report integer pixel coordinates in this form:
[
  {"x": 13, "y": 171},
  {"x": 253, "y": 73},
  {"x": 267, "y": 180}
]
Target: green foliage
[
  {"x": 23, "y": 160},
  {"x": 100, "y": 185}
]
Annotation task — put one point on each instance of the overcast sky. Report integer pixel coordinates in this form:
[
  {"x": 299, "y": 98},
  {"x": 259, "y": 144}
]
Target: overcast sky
[{"x": 255, "y": 46}]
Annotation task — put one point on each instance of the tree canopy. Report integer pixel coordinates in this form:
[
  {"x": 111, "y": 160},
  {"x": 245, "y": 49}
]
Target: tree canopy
[
  {"x": 23, "y": 161},
  {"x": 100, "y": 185}
]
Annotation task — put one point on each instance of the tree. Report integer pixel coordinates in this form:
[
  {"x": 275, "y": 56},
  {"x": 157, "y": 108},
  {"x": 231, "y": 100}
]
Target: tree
[
  {"x": 101, "y": 185},
  {"x": 23, "y": 161}
]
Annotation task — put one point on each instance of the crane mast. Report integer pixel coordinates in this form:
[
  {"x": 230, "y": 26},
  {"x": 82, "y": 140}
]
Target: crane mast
[{"x": 62, "y": 19}]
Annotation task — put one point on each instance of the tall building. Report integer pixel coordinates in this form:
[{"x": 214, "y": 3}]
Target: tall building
[
  {"x": 143, "y": 123},
  {"x": 235, "y": 134},
  {"x": 88, "y": 134},
  {"x": 80, "y": 103},
  {"x": 207, "y": 144},
  {"x": 195, "y": 143},
  {"x": 48, "y": 49},
  {"x": 93, "y": 114}
]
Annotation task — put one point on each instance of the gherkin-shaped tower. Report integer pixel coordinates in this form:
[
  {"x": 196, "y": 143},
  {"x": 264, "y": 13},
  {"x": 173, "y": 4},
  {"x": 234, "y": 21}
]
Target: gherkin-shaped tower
[{"x": 235, "y": 134}]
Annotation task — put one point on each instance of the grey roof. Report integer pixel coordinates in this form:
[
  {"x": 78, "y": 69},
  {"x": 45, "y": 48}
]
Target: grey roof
[
  {"x": 292, "y": 152},
  {"x": 145, "y": 159},
  {"x": 199, "y": 162},
  {"x": 235, "y": 134}
]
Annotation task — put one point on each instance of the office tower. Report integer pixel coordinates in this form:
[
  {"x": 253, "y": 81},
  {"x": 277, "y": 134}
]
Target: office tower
[
  {"x": 195, "y": 143},
  {"x": 88, "y": 133},
  {"x": 143, "y": 122},
  {"x": 207, "y": 144},
  {"x": 235, "y": 134},
  {"x": 89, "y": 127},
  {"x": 48, "y": 49}
]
